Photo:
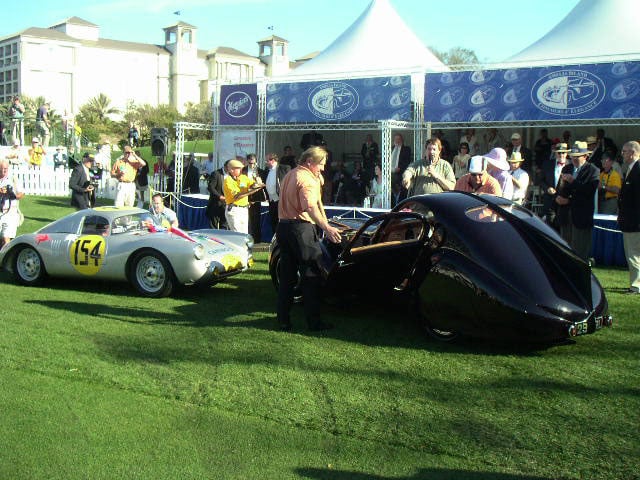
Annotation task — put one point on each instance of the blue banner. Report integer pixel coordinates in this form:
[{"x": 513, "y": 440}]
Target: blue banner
[
  {"x": 362, "y": 100},
  {"x": 586, "y": 92},
  {"x": 238, "y": 104}
]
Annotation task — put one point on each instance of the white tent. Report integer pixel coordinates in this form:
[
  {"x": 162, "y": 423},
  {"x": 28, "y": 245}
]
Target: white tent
[
  {"x": 377, "y": 42},
  {"x": 594, "y": 31}
]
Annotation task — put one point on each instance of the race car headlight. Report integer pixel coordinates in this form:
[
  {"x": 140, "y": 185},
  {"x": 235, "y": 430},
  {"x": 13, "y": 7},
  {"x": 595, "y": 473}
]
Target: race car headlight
[
  {"x": 198, "y": 251},
  {"x": 249, "y": 242}
]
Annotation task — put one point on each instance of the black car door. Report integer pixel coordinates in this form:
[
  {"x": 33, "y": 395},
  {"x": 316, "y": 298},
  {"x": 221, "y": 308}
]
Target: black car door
[{"x": 381, "y": 255}]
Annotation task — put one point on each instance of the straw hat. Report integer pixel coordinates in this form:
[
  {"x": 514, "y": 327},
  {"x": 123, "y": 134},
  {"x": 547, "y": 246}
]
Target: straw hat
[{"x": 579, "y": 149}]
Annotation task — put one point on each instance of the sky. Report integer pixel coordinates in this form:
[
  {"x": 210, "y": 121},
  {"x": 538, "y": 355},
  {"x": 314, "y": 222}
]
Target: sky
[{"x": 494, "y": 29}]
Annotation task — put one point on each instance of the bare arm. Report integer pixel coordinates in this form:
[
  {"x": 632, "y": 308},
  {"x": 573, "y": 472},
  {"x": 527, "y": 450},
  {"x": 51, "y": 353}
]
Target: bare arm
[{"x": 318, "y": 216}]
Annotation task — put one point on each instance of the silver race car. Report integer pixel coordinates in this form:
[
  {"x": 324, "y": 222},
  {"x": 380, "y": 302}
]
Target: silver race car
[{"x": 115, "y": 243}]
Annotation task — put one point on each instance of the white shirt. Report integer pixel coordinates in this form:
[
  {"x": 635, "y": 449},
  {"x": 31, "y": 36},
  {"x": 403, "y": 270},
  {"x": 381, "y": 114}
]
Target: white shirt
[
  {"x": 395, "y": 157},
  {"x": 519, "y": 194},
  {"x": 272, "y": 184},
  {"x": 557, "y": 172}
]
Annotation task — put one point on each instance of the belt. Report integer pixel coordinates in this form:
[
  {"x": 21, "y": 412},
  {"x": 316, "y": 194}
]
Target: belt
[
  {"x": 293, "y": 220},
  {"x": 239, "y": 206},
  {"x": 122, "y": 181}
]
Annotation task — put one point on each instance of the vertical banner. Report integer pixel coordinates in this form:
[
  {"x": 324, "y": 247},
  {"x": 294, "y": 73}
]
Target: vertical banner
[
  {"x": 238, "y": 104},
  {"x": 360, "y": 99},
  {"x": 586, "y": 92},
  {"x": 236, "y": 143}
]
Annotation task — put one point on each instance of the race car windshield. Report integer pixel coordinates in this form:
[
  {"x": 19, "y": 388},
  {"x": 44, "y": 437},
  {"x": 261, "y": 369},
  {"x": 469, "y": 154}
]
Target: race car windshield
[{"x": 132, "y": 223}]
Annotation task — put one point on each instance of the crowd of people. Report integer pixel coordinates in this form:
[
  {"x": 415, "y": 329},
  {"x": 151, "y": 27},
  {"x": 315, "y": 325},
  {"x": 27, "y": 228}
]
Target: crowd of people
[{"x": 573, "y": 176}]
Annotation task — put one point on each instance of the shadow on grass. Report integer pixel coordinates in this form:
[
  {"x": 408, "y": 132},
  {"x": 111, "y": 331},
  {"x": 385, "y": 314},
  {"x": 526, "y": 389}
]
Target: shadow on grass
[
  {"x": 60, "y": 202},
  {"x": 242, "y": 302},
  {"x": 426, "y": 474}
]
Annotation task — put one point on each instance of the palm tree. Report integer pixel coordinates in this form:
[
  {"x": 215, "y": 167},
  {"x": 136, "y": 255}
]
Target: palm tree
[{"x": 99, "y": 108}]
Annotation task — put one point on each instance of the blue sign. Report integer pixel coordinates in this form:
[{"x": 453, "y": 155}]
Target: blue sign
[
  {"x": 362, "y": 100},
  {"x": 586, "y": 92},
  {"x": 238, "y": 104}
]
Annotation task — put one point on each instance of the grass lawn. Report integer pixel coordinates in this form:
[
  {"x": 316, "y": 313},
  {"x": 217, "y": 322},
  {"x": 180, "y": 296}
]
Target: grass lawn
[{"x": 98, "y": 383}]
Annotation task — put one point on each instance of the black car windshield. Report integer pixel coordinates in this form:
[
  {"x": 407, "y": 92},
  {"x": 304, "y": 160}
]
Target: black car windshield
[
  {"x": 486, "y": 214},
  {"x": 133, "y": 223}
]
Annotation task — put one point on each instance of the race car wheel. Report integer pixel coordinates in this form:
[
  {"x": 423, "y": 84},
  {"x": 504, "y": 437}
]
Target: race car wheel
[
  {"x": 28, "y": 268},
  {"x": 152, "y": 274}
]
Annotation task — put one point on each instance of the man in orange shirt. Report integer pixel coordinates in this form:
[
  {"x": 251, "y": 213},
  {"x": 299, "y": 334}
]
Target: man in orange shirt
[
  {"x": 301, "y": 214},
  {"x": 478, "y": 180}
]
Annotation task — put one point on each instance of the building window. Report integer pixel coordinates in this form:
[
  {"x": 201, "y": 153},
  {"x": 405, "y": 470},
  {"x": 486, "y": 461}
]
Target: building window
[
  {"x": 187, "y": 36},
  {"x": 14, "y": 48},
  {"x": 1, "y": 89},
  {"x": 1, "y": 76},
  {"x": 170, "y": 37},
  {"x": 266, "y": 50},
  {"x": 15, "y": 87},
  {"x": 8, "y": 75},
  {"x": 7, "y": 50}
]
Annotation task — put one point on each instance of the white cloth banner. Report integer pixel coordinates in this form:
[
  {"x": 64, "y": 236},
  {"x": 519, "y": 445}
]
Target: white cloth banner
[{"x": 236, "y": 143}]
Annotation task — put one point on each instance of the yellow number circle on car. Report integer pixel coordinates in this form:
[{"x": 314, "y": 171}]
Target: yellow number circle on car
[{"x": 87, "y": 254}]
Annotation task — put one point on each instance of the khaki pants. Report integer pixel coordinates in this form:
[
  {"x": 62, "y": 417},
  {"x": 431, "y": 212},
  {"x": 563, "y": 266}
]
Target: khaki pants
[{"x": 631, "y": 242}]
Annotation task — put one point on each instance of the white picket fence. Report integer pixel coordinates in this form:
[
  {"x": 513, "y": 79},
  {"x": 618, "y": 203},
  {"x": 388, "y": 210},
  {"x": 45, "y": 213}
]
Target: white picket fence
[
  {"x": 47, "y": 181},
  {"x": 55, "y": 182}
]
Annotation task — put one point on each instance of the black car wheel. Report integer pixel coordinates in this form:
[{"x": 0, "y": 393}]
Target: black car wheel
[
  {"x": 423, "y": 318},
  {"x": 274, "y": 271},
  {"x": 28, "y": 268},
  {"x": 151, "y": 274}
]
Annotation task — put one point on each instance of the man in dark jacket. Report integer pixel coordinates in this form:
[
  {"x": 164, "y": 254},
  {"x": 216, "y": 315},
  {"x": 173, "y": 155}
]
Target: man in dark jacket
[
  {"x": 272, "y": 177},
  {"x": 80, "y": 183},
  {"x": 255, "y": 199},
  {"x": 579, "y": 183},
  {"x": 551, "y": 171},
  {"x": 629, "y": 213},
  {"x": 216, "y": 203}
]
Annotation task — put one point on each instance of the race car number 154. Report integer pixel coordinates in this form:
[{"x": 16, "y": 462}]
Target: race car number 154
[{"x": 87, "y": 254}]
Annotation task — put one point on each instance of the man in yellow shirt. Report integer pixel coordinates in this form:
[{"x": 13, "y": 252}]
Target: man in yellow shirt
[
  {"x": 610, "y": 185},
  {"x": 125, "y": 170},
  {"x": 236, "y": 188},
  {"x": 36, "y": 153}
]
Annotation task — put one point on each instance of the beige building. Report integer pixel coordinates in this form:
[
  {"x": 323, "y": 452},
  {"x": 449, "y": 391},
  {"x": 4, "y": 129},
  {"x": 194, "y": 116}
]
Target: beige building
[{"x": 69, "y": 63}]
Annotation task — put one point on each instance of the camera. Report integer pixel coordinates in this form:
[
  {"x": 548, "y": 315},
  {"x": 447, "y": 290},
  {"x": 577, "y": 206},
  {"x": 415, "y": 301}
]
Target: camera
[{"x": 8, "y": 193}]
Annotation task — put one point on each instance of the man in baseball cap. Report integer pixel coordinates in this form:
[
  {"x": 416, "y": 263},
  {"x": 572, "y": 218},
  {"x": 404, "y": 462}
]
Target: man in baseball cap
[{"x": 478, "y": 180}]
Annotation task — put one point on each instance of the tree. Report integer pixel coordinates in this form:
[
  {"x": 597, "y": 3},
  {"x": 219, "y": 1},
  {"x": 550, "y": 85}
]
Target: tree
[
  {"x": 458, "y": 58},
  {"x": 198, "y": 113},
  {"x": 147, "y": 117},
  {"x": 97, "y": 110}
]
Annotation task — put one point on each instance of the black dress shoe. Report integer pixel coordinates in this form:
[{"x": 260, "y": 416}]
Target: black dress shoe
[
  {"x": 285, "y": 327},
  {"x": 630, "y": 291},
  {"x": 320, "y": 327}
]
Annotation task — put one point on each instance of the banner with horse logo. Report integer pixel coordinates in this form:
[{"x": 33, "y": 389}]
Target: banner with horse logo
[
  {"x": 585, "y": 92},
  {"x": 362, "y": 100}
]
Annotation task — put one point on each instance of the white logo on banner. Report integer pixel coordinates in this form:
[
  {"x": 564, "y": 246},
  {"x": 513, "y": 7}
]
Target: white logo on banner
[
  {"x": 568, "y": 92},
  {"x": 333, "y": 100},
  {"x": 238, "y": 104}
]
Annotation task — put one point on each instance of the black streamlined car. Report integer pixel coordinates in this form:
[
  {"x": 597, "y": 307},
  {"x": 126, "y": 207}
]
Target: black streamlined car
[{"x": 471, "y": 265}]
